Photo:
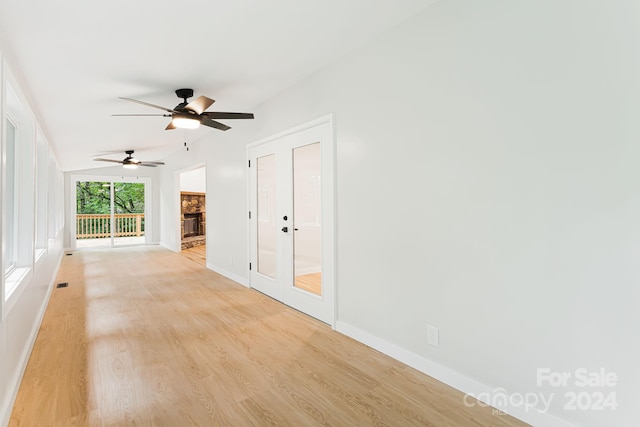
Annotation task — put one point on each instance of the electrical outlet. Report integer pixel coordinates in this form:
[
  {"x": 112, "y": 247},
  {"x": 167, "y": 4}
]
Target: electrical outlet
[
  {"x": 231, "y": 260},
  {"x": 433, "y": 336}
]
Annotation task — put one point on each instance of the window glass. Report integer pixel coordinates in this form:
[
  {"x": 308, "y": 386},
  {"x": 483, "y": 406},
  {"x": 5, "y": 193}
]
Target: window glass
[{"x": 10, "y": 225}]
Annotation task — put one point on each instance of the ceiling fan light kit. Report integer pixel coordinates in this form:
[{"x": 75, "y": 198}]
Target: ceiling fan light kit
[
  {"x": 190, "y": 115},
  {"x": 183, "y": 121}
]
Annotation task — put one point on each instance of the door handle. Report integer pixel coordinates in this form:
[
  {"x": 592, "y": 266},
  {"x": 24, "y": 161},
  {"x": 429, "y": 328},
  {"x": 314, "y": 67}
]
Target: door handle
[{"x": 285, "y": 229}]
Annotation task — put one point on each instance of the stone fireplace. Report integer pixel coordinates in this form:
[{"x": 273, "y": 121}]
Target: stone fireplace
[{"x": 192, "y": 219}]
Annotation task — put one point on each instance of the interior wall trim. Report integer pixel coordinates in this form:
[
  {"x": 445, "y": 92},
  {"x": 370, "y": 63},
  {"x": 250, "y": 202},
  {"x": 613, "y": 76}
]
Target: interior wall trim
[
  {"x": 229, "y": 275},
  {"x": 446, "y": 375}
]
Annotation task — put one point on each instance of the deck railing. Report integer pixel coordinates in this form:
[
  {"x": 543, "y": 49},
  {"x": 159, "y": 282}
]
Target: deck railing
[{"x": 90, "y": 226}]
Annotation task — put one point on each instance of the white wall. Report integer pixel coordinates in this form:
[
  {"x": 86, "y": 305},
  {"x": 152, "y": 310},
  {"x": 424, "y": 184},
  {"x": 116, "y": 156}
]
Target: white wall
[
  {"x": 193, "y": 181},
  {"x": 487, "y": 157},
  {"x": 22, "y": 313},
  {"x": 224, "y": 162}
]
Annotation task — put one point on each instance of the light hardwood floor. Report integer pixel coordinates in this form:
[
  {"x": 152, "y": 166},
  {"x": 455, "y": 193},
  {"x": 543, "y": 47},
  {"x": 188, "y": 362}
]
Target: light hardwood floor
[
  {"x": 143, "y": 336},
  {"x": 310, "y": 282},
  {"x": 197, "y": 254}
]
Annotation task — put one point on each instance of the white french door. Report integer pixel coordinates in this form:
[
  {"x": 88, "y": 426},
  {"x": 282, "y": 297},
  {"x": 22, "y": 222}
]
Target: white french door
[{"x": 291, "y": 202}]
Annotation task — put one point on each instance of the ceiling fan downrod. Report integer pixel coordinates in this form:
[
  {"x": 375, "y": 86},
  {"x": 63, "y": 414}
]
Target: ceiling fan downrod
[{"x": 184, "y": 94}]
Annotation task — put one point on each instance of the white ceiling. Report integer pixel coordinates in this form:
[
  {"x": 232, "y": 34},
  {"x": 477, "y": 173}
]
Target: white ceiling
[{"x": 77, "y": 57}]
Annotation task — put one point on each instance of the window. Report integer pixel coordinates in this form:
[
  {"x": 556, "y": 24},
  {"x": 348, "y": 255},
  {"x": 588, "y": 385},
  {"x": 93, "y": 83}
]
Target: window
[
  {"x": 18, "y": 193},
  {"x": 31, "y": 193},
  {"x": 42, "y": 167},
  {"x": 52, "y": 198},
  {"x": 10, "y": 224}
]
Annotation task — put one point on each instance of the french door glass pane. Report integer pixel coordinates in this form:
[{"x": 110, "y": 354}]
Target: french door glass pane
[
  {"x": 307, "y": 243},
  {"x": 93, "y": 219},
  {"x": 266, "y": 215},
  {"x": 128, "y": 209}
]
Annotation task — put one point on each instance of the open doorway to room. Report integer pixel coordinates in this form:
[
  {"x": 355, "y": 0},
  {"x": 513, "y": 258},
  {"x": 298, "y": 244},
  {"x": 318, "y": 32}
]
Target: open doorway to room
[{"x": 193, "y": 216}]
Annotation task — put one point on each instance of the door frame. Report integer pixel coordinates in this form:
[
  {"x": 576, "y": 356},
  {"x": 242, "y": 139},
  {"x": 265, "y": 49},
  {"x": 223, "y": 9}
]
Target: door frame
[
  {"x": 148, "y": 220},
  {"x": 329, "y": 236}
]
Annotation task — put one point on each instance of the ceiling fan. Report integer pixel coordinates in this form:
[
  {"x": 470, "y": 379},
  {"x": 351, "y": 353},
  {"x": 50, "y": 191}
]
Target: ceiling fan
[
  {"x": 190, "y": 115},
  {"x": 130, "y": 163}
]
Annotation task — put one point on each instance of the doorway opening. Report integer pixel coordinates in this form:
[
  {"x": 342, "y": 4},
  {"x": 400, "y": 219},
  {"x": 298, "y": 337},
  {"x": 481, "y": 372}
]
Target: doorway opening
[{"x": 193, "y": 214}]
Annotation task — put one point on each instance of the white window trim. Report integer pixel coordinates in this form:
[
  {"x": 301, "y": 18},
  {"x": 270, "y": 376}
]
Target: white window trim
[
  {"x": 15, "y": 108},
  {"x": 8, "y": 269},
  {"x": 14, "y": 279},
  {"x": 41, "y": 231}
]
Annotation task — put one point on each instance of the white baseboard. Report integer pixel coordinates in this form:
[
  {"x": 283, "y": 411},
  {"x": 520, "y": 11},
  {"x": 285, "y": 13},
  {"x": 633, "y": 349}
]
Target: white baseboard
[
  {"x": 167, "y": 246},
  {"x": 446, "y": 375},
  {"x": 5, "y": 410},
  {"x": 229, "y": 275}
]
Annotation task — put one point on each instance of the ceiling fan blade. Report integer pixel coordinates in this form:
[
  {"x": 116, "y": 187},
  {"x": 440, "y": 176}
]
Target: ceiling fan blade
[
  {"x": 214, "y": 124},
  {"x": 108, "y": 160},
  {"x": 170, "y": 126},
  {"x": 199, "y": 104},
  {"x": 221, "y": 115},
  {"x": 149, "y": 105},
  {"x": 106, "y": 153},
  {"x": 135, "y": 115},
  {"x": 151, "y": 164}
]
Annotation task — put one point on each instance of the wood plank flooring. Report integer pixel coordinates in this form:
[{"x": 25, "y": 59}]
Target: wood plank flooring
[
  {"x": 197, "y": 254},
  {"x": 310, "y": 282},
  {"x": 146, "y": 337}
]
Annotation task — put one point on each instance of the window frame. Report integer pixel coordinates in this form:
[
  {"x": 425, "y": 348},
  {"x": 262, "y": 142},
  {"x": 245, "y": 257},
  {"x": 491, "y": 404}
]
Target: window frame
[
  {"x": 41, "y": 195},
  {"x": 111, "y": 179},
  {"x": 10, "y": 229},
  {"x": 18, "y": 271}
]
